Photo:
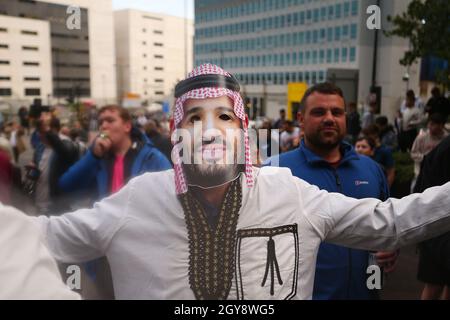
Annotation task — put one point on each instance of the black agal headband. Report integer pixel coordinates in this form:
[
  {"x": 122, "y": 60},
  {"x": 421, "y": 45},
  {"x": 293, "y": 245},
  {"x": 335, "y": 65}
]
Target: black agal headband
[{"x": 206, "y": 81}]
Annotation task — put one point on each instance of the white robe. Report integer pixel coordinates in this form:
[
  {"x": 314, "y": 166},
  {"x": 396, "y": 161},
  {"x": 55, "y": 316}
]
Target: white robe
[
  {"x": 27, "y": 270},
  {"x": 142, "y": 231}
]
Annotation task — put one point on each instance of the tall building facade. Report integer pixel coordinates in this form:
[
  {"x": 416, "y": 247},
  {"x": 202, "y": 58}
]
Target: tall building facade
[
  {"x": 270, "y": 43},
  {"x": 82, "y": 59},
  {"x": 25, "y": 58},
  {"x": 154, "y": 52}
]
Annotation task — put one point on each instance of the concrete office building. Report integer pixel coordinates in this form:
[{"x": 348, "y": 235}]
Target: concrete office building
[
  {"x": 269, "y": 43},
  {"x": 82, "y": 60},
  {"x": 154, "y": 52},
  {"x": 25, "y": 59}
]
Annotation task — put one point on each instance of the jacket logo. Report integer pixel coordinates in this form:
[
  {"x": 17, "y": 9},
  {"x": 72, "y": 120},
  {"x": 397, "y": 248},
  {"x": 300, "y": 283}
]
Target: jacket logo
[{"x": 359, "y": 182}]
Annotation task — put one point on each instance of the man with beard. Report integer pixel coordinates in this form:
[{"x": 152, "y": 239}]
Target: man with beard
[
  {"x": 324, "y": 159},
  {"x": 222, "y": 229}
]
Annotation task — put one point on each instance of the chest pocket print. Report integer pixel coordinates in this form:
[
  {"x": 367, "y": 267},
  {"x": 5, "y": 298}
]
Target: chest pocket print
[{"x": 267, "y": 262}]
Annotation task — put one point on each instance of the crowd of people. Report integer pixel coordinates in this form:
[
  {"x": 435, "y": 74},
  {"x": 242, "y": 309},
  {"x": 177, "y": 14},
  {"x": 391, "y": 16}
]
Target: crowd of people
[{"x": 112, "y": 192}]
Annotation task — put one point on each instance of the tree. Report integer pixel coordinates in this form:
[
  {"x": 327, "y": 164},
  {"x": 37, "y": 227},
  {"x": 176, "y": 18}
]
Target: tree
[{"x": 426, "y": 24}]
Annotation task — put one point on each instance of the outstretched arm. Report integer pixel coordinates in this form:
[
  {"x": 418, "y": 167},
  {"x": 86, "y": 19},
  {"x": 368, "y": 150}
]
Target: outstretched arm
[
  {"x": 371, "y": 224},
  {"x": 85, "y": 234}
]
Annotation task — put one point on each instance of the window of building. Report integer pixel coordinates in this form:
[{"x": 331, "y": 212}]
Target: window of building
[
  {"x": 346, "y": 9},
  {"x": 159, "y": 80},
  {"x": 344, "y": 54},
  {"x": 330, "y": 12},
  {"x": 158, "y": 56},
  {"x": 157, "y": 44},
  {"x": 338, "y": 11},
  {"x": 307, "y": 77},
  {"x": 300, "y": 58},
  {"x": 27, "y": 48},
  {"x": 321, "y": 76},
  {"x": 4, "y": 62},
  {"x": 5, "y": 78},
  {"x": 308, "y": 37},
  {"x": 29, "y": 33},
  {"x": 4, "y": 46},
  {"x": 294, "y": 58},
  {"x": 5, "y": 92},
  {"x": 144, "y": 55},
  {"x": 308, "y": 16},
  {"x": 354, "y": 7},
  {"x": 314, "y": 57},
  {"x": 337, "y": 33},
  {"x": 316, "y": 15},
  {"x": 64, "y": 36},
  {"x": 159, "y": 93},
  {"x": 313, "y": 77},
  {"x": 3, "y": 30},
  {"x": 323, "y": 34},
  {"x": 144, "y": 30},
  {"x": 329, "y": 34},
  {"x": 301, "y": 38},
  {"x": 336, "y": 55},
  {"x": 315, "y": 37},
  {"x": 353, "y": 31},
  {"x": 329, "y": 55},
  {"x": 352, "y": 54},
  {"x": 159, "y": 68},
  {"x": 32, "y": 92},
  {"x": 323, "y": 13},
  {"x": 31, "y": 79},
  {"x": 144, "y": 43},
  {"x": 321, "y": 56},
  {"x": 345, "y": 31},
  {"x": 307, "y": 57}
]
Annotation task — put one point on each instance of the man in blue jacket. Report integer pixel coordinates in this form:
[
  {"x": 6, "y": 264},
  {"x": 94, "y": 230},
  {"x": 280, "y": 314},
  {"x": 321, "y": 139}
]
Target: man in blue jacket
[
  {"x": 325, "y": 160},
  {"x": 118, "y": 154}
]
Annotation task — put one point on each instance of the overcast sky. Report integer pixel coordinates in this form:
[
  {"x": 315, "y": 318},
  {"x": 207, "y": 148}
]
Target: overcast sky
[{"x": 171, "y": 7}]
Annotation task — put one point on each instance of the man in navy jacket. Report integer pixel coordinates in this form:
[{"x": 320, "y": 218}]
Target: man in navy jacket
[{"x": 325, "y": 160}]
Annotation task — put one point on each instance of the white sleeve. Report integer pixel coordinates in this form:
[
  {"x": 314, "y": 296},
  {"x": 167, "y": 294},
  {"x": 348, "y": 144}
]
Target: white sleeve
[
  {"x": 85, "y": 234},
  {"x": 374, "y": 225},
  {"x": 27, "y": 270}
]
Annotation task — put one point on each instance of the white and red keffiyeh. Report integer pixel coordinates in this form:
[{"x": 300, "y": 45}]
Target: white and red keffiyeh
[{"x": 205, "y": 93}]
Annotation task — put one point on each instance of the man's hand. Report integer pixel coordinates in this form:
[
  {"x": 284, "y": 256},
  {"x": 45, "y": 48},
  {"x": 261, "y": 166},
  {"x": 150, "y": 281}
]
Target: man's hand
[
  {"x": 101, "y": 145},
  {"x": 387, "y": 260}
]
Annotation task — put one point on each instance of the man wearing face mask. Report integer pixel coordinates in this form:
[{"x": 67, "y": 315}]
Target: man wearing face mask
[{"x": 220, "y": 228}]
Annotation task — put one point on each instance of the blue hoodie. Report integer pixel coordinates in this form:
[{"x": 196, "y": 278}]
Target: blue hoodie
[
  {"x": 340, "y": 272},
  {"x": 91, "y": 169}
]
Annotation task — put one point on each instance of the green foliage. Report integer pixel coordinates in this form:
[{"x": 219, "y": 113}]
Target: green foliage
[{"x": 426, "y": 24}]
